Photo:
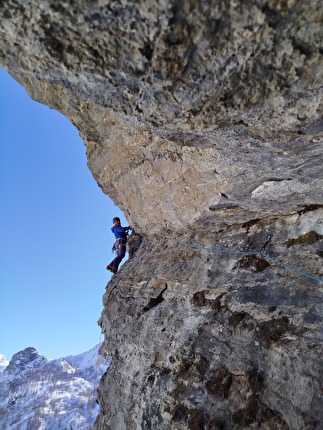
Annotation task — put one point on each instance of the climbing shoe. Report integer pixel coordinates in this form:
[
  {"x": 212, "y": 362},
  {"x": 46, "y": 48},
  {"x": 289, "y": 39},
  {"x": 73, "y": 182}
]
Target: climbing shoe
[{"x": 111, "y": 268}]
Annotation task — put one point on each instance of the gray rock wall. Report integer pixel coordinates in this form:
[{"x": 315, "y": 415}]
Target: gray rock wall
[
  {"x": 216, "y": 341},
  {"x": 202, "y": 121}
]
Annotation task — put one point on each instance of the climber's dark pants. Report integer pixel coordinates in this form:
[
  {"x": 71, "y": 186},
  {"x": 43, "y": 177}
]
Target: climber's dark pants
[{"x": 120, "y": 247}]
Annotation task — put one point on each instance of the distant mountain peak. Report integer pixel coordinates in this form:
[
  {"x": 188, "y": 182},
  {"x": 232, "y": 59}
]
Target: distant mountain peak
[
  {"x": 3, "y": 362},
  {"x": 55, "y": 394},
  {"x": 25, "y": 360}
]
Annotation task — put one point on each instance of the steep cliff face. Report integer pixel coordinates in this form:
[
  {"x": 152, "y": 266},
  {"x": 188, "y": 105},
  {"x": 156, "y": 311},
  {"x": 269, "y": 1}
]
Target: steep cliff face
[{"x": 202, "y": 123}]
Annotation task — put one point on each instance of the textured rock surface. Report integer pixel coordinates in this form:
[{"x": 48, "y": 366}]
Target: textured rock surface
[{"x": 202, "y": 122}]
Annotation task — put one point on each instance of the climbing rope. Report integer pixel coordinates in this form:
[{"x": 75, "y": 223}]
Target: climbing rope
[
  {"x": 225, "y": 251},
  {"x": 287, "y": 266}
]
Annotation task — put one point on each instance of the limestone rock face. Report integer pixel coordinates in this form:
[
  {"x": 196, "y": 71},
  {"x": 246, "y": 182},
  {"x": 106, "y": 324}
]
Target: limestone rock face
[{"x": 202, "y": 122}]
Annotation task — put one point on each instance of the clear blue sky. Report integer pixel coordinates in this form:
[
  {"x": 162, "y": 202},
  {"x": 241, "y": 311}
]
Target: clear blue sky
[{"x": 55, "y": 238}]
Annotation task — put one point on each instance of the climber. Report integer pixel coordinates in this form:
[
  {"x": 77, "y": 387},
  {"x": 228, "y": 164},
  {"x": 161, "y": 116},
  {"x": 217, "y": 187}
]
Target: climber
[{"x": 119, "y": 245}]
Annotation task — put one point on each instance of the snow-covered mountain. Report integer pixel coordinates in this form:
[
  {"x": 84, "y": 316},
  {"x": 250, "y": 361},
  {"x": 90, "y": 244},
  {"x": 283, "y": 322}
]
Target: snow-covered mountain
[
  {"x": 3, "y": 362},
  {"x": 41, "y": 394}
]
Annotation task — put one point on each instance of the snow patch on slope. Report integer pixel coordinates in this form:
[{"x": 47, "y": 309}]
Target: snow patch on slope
[{"x": 36, "y": 393}]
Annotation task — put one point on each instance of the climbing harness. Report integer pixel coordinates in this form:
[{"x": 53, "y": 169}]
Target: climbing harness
[
  {"x": 226, "y": 251},
  {"x": 118, "y": 244}
]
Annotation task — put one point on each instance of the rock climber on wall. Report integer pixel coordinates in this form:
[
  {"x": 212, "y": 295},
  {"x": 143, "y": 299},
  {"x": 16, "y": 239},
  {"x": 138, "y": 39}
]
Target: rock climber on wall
[{"x": 119, "y": 245}]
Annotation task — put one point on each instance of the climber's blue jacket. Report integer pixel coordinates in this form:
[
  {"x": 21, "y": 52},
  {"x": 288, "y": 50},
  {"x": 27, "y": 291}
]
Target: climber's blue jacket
[{"x": 120, "y": 232}]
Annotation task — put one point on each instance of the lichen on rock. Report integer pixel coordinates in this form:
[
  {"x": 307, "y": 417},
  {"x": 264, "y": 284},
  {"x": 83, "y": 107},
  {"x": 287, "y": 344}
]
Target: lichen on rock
[{"x": 202, "y": 122}]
